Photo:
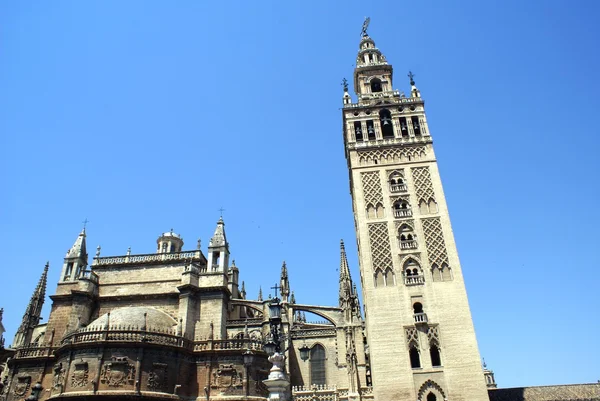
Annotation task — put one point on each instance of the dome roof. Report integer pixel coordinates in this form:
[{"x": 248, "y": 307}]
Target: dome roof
[{"x": 134, "y": 317}]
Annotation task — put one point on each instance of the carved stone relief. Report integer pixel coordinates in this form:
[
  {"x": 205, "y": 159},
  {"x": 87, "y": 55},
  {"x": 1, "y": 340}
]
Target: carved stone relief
[
  {"x": 58, "y": 379},
  {"x": 79, "y": 378},
  {"x": 227, "y": 378},
  {"x": 157, "y": 377},
  {"x": 22, "y": 385},
  {"x": 118, "y": 372}
]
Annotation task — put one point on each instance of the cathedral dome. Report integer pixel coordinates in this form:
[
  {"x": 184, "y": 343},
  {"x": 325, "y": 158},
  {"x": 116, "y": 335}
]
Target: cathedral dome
[{"x": 136, "y": 316}]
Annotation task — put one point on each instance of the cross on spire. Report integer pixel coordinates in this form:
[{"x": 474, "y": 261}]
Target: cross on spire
[
  {"x": 85, "y": 223},
  {"x": 276, "y": 288},
  {"x": 411, "y": 76},
  {"x": 221, "y": 210}
]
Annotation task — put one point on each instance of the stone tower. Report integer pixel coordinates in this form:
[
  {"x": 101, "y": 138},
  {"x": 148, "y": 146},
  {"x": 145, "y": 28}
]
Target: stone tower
[{"x": 421, "y": 339}]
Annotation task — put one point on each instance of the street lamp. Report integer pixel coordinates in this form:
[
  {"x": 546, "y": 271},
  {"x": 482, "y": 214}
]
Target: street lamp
[
  {"x": 35, "y": 392},
  {"x": 248, "y": 360},
  {"x": 304, "y": 352}
]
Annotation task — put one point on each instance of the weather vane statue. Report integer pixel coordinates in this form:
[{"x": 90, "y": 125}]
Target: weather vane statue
[{"x": 363, "y": 32}]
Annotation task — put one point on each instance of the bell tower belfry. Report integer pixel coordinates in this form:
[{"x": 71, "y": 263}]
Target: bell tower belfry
[{"x": 422, "y": 343}]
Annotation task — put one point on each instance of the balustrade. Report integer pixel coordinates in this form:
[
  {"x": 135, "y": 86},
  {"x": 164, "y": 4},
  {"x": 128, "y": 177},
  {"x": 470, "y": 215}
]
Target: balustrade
[
  {"x": 408, "y": 244},
  {"x": 402, "y": 213},
  {"x": 420, "y": 318},
  {"x": 414, "y": 280},
  {"x": 397, "y": 188},
  {"x": 148, "y": 258}
]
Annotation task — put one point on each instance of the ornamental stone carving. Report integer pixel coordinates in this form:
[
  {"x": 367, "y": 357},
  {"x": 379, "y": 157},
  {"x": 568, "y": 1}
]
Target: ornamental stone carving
[
  {"x": 118, "y": 372},
  {"x": 58, "y": 377},
  {"x": 157, "y": 378},
  {"x": 79, "y": 378},
  {"x": 22, "y": 386},
  {"x": 227, "y": 379}
]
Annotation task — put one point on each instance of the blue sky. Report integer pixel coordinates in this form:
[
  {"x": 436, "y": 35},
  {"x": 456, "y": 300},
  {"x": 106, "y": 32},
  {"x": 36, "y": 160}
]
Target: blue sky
[{"x": 143, "y": 116}]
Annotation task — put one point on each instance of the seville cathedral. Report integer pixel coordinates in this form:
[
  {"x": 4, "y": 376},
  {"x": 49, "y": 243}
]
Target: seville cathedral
[{"x": 177, "y": 324}]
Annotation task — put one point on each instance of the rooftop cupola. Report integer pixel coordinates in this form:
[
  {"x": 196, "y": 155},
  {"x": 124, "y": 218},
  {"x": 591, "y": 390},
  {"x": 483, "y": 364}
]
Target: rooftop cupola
[
  {"x": 218, "y": 249},
  {"x": 169, "y": 242},
  {"x": 373, "y": 74}
]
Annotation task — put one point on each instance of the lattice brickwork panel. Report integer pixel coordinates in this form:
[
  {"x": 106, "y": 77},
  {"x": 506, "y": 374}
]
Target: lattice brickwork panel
[
  {"x": 422, "y": 182},
  {"x": 372, "y": 192},
  {"x": 391, "y": 155},
  {"x": 433, "y": 335},
  {"x": 412, "y": 337},
  {"x": 434, "y": 240},
  {"x": 379, "y": 239}
]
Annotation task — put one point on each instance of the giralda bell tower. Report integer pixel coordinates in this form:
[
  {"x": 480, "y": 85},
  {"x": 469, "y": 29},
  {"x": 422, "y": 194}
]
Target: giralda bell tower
[{"x": 421, "y": 339}]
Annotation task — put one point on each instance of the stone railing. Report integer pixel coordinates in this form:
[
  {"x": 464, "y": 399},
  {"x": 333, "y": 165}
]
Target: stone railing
[
  {"x": 397, "y": 188},
  {"x": 127, "y": 335},
  {"x": 420, "y": 318},
  {"x": 325, "y": 332},
  {"x": 326, "y": 393},
  {"x": 408, "y": 244},
  {"x": 414, "y": 280},
  {"x": 403, "y": 100},
  {"x": 242, "y": 322},
  {"x": 316, "y": 392},
  {"x": 33, "y": 352},
  {"x": 147, "y": 258},
  {"x": 232, "y": 344},
  {"x": 390, "y": 141},
  {"x": 402, "y": 213}
]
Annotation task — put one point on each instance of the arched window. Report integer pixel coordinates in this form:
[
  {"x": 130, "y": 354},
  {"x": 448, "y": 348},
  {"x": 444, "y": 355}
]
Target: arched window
[
  {"x": 402, "y": 209},
  {"x": 317, "y": 365},
  {"x": 431, "y": 397},
  {"x": 375, "y": 84},
  {"x": 389, "y": 277},
  {"x": 387, "y": 128},
  {"x": 415, "y": 359},
  {"x": 379, "y": 281},
  {"x": 418, "y": 307},
  {"x": 407, "y": 238},
  {"x": 434, "y": 353}
]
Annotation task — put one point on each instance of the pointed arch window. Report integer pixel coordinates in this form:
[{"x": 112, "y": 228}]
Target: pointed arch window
[
  {"x": 397, "y": 183},
  {"x": 434, "y": 353},
  {"x": 415, "y": 358},
  {"x": 317, "y": 365}
]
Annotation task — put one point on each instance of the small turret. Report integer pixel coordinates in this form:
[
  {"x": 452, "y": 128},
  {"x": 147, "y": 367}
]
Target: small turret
[
  {"x": 284, "y": 283},
  {"x": 32, "y": 315},
  {"x": 169, "y": 242},
  {"x": 76, "y": 259},
  {"x": 218, "y": 249},
  {"x": 488, "y": 374}
]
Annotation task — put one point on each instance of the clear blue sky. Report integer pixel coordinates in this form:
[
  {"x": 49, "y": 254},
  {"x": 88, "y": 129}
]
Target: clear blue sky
[{"x": 144, "y": 116}]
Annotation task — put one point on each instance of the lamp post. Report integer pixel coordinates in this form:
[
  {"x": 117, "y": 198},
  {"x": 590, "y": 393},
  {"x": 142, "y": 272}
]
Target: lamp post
[
  {"x": 277, "y": 383},
  {"x": 248, "y": 360},
  {"x": 304, "y": 352}
]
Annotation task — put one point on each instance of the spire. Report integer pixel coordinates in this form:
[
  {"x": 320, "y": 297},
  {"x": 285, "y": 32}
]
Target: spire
[
  {"x": 32, "y": 315},
  {"x": 218, "y": 238},
  {"x": 2, "y": 330},
  {"x": 284, "y": 283},
  {"x": 260, "y": 297},
  {"x": 78, "y": 250},
  {"x": 348, "y": 295},
  {"x": 345, "y": 280},
  {"x": 243, "y": 291}
]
